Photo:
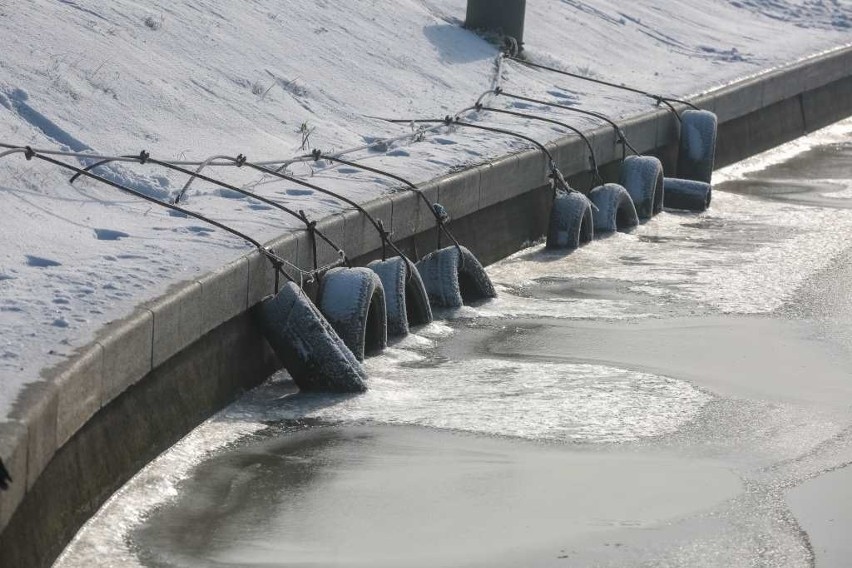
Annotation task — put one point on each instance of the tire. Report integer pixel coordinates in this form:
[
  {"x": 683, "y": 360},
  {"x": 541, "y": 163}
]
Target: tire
[
  {"x": 353, "y": 302},
  {"x": 571, "y": 222},
  {"x": 307, "y": 345},
  {"x": 688, "y": 195},
  {"x": 697, "y": 145},
  {"x": 642, "y": 177},
  {"x": 453, "y": 277},
  {"x": 615, "y": 209},
  {"x": 406, "y": 301}
]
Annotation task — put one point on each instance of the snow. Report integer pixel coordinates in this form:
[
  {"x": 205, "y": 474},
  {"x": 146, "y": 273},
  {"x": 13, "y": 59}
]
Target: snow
[{"x": 271, "y": 79}]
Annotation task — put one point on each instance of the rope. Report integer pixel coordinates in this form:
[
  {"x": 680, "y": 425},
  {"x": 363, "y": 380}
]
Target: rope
[
  {"x": 455, "y": 121},
  {"x": 145, "y": 157},
  {"x": 596, "y": 177},
  {"x": 440, "y": 215},
  {"x": 559, "y": 181},
  {"x": 658, "y": 98},
  {"x": 240, "y": 161},
  {"x": 622, "y": 138},
  {"x": 512, "y": 52},
  {"x": 276, "y": 261},
  {"x": 377, "y": 224},
  {"x": 283, "y": 162}
]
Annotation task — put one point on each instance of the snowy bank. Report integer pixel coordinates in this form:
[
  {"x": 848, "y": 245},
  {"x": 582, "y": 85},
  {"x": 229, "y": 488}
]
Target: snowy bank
[{"x": 271, "y": 80}]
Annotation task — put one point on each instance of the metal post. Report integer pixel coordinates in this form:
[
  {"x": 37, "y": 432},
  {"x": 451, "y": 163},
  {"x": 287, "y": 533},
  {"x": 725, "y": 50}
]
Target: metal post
[{"x": 505, "y": 17}]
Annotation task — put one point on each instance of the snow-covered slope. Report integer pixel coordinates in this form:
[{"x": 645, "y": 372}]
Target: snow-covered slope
[{"x": 270, "y": 79}]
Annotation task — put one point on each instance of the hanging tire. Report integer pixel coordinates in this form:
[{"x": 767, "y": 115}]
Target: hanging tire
[
  {"x": 406, "y": 301},
  {"x": 688, "y": 195},
  {"x": 642, "y": 177},
  {"x": 697, "y": 145},
  {"x": 571, "y": 222},
  {"x": 453, "y": 277},
  {"x": 307, "y": 345},
  {"x": 353, "y": 302},
  {"x": 615, "y": 209}
]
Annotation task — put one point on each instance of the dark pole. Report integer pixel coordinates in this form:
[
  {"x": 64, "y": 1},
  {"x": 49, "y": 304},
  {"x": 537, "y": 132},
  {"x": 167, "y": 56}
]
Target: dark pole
[{"x": 505, "y": 17}]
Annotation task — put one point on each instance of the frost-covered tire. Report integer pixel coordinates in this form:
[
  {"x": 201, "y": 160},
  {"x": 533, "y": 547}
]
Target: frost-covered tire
[
  {"x": 571, "y": 221},
  {"x": 405, "y": 295},
  {"x": 687, "y": 194},
  {"x": 615, "y": 209},
  {"x": 697, "y": 145},
  {"x": 453, "y": 276},
  {"x": 353, "y": 302},
  {"x": 642, "y": 177},
  {"x": 310, "y": 349}
]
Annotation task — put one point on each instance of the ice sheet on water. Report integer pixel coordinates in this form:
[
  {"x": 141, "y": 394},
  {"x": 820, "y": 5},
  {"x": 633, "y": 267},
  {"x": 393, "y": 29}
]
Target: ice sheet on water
[
  {"x": 698, "y": 260},
  {"x": 550, "y": 401},
  {"x": 557, "y": 401},
  {"x": 101, "y": 542},
  {"x": 512, "y": 303}
]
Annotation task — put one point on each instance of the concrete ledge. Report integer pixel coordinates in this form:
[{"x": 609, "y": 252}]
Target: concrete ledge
[
  {"x": 13, "y": 448},
  {"x": 177, "y": 318},
  {"x": 818, "y": 104},
  {"x": 79, "y": 392},
  {"x": 359, "y": 232},
  {"x": 459, "y": 192},
  {"x": 36, "y": 409},
  {"x": 121, "y": 438},
  {"x": 224, "y": 294},
  {"x": 410, "y": 214},
  {"x": 127, "y": 348},
  {"x": 641, "y": 133},
  {"x": 192, "y": 351}
]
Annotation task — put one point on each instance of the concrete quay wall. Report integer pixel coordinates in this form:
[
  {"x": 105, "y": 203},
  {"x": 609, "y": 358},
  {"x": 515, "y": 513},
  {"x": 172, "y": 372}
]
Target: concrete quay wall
[{"x": 83, "y": 431}]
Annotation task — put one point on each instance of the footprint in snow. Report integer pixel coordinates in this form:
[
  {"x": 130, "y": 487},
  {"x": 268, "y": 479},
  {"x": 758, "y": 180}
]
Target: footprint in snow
[
  {"x": 379, "y": 147},
  {"x": 348, "y": 170},
  {"x": 401, "y": 153},
  {"x": 110, "y": 235},
  {"x": 229, "y": 194},
  {"x": 40, "y": 262},
  {"x": 568, "y": 98},
  {"x": 445, "y": 141},
  {"x": 203, "y": 231},
  {"x": 299, "y": 192}
]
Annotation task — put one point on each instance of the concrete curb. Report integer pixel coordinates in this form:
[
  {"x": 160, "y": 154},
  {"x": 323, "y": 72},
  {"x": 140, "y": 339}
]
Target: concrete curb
[{"x": 754, "y": 114}]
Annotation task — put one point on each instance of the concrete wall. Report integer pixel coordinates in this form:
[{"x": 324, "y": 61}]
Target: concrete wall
[{"x": 79, "y": 434}]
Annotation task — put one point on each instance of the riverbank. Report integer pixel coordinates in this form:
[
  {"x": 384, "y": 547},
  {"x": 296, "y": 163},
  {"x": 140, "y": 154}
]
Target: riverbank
[
  {"x": 76, "y": 258},
  {"x": 204, "y": 358}
]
